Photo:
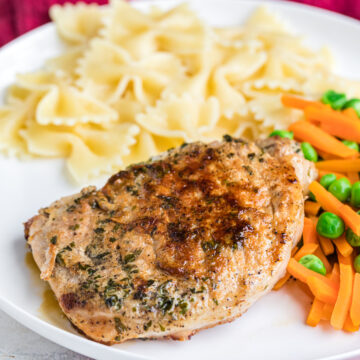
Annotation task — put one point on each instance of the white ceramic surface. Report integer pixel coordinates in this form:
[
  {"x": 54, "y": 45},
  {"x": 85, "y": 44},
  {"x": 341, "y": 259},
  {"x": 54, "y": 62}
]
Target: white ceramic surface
[{"x": 273, "y": 328}]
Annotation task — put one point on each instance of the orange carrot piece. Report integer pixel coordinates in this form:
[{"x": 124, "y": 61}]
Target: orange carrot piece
[
  {"x": 334, "y": 122},
  {"x": 351, "y": 113},
  {"x": 302, "y": 273},
  {"x": 324, "y": 155},
  {"x": 355, "y": 303},
  {"x": 330, "y": 203},
  {"x": 338, "y": 131},
  {"x": 323, "y": 291},
  {"x": 321, "y": 173},
  {"x": 340, "y": 166},
  {"x": 282, "y": 282},
  {"x": 351, "y": 218},
  {"x": 309, "y": 232},
  {"x": 312, "y": 208},
  {"x": 318, "y": 252},
  {"x": 335, "y": 273},
  {"x": 298, "y": 103},
  {"x": 343, "y": 300},
  {"x": 306, "y": 249},
  {"x": 326, "y": 245},
  {"x": 349, "y": 326},
  {"x": 305, "y": 131},
  {"x": 286, "y": 277},
  {"x": 315, "y": 313},
  {"x": 328, "y": 308},
  {"x": 343, "y": 246},
  {"x": 353, "y": 176},
  {"x": 327, "y": 311}
]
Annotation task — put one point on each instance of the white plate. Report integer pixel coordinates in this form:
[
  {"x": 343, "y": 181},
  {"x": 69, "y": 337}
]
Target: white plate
[{"x": 273, "y": 328}]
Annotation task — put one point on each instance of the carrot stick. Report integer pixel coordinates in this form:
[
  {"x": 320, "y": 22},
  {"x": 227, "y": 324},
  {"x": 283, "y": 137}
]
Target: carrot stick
[
  {"x": 318, "y": 252},
  {"x": 345, "y": 260},
  {"x": 323, "y": 291},
  {"x": 305, "y": 131},
  {"x": 343, "y": 246},
  {"x": 353, "y": 176},
  {"x": 349, "y": 326},
  {"x": 302, "y": 273},
  {"x": 334, "y": 276},
  {"x": 351, "y": 113},
  {"x": 285, "y": 278},
  {"x": 330, "y": 203},
  {"x": 335, "y": 273},
  {"x": 355, "y": 303},
  {"x": 298, "y": 103},
  {"x": 340, "y": 132},
  {"x": 334, "y": 122},
  {"x": 312, "y": 208},
  {"x": 327, "y": 311},
  {"x": 321, "y": 173},
  {"x": 343, "y": 300},
  {"x": 326, "y": 245},
  {"x": 309, "y": 232},
  {"x": 315, "y": 313},
  {"x": 341, "y": 166},
  {"x": 351, "y": 218},
  {"x": 307, "y": 249},
  {"x": 327, "y": 201},
  {"x": 324, "y": 155}
]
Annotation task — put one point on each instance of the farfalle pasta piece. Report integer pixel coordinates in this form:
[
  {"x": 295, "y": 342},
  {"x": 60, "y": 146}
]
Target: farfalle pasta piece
[
  {"x": 263, "y": 20},
  {"x": 148, "y": 146},
  {"x": 237, "y": 69},
  {"x": 17, "y": 94},
  {"x": 269, "y": 111},
  {"x": 41, "y": 80},
  {"x": 90, "y": 158},
  {"x": 12, "y": 119},
  {"x": 78, "y": 23},
  {"x": 180, "y": 117},
  {"x": 66, "y": 63},
  {"x": 65, "y": 105},
  {"x": 107, "y": 71},
  {"x": 83, "y": 146}
]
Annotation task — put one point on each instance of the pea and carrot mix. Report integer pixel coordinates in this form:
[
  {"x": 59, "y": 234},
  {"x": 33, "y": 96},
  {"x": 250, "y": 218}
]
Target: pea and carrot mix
[{"x": 328, "y": 261}]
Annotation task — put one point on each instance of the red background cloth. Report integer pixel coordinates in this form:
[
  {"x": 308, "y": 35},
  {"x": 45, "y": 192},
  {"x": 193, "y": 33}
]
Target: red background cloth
[{"x": 20, "y": 16}]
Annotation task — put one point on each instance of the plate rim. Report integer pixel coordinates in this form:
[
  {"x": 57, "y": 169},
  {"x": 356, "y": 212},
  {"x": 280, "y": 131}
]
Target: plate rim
[{"x": 94, "y": 349}]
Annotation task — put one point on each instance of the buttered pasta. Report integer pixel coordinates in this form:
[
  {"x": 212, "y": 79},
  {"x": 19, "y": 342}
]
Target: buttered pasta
[{"x": 129, "y": 85}]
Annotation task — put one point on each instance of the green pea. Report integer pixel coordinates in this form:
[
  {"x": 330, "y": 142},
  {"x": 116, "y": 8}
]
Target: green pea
[
  {"x": 355, "y": 194},
  {"x": 309, "y": 152},
  {"x": 283, "y": 134},
  {"x": 357, "y": 264},
  {"x": 341, "y": 189},
  {"x": 312, "y": 262},
  {"x": 355, "y": 104},
  {"x": 352, "y": 238},
  {"x": 327, "y": 179},
  {"x": 312, "y": 196},
  {"x": 330, "y": 225},
  {"x": 334, "y": 99},
  {"x": 351, "y": 144}
]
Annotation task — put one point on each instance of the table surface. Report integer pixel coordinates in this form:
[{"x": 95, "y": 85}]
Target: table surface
[{"x": 20, "y": 343}]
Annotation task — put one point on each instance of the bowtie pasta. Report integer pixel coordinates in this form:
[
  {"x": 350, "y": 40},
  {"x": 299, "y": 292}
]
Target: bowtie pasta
[{"x": 129, "y": 85}]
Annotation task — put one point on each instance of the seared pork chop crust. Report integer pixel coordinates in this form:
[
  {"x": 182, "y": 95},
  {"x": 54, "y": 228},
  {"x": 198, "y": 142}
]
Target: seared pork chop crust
[{"x": 180, "y": 243}]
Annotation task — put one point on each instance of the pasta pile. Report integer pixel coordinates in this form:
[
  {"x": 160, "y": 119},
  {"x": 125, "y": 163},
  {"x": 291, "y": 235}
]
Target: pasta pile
[{"x": 130, "y": 85}]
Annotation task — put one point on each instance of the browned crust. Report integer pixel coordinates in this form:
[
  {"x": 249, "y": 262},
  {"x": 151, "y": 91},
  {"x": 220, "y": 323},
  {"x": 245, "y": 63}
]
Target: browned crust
[{"x": 27, "y": 226}]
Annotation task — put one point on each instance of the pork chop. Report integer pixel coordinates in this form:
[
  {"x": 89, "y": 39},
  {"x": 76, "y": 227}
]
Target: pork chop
[{"x": 180, "y": 243}]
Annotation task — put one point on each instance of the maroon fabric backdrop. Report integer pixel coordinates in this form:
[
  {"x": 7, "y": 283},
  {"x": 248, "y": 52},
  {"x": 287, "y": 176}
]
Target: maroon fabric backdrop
[{"x": 20, "y": 16}]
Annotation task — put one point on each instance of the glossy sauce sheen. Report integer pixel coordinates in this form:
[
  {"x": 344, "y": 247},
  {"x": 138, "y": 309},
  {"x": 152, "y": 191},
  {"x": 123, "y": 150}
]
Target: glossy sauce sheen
[{"x": 180, "y": 243}]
